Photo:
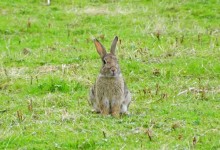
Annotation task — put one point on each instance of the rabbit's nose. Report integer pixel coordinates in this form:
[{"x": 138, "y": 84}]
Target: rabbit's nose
[{"x": 113, "y": 70}]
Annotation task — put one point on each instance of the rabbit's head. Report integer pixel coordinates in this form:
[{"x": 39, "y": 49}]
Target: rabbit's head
[{"x": 110, "y": 67}]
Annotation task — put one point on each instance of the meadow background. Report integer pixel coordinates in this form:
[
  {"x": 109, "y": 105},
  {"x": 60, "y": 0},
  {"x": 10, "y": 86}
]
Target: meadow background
[{"x": 169, "y": 54}]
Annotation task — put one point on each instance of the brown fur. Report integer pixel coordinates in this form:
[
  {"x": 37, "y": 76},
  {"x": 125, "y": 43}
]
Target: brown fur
[{"x": 109, "y": 95}]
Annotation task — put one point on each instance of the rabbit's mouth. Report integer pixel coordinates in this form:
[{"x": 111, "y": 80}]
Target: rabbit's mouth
[
  {"x": 110, "y": 72},
  {"x": 115, "y": 75},
  {"x": 113, "y": 71}
]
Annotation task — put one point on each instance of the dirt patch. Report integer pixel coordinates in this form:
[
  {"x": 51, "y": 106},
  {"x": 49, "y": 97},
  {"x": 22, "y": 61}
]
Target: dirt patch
[
  {"x": 101, "y": 10},
  {"x": 13, "y": 72}
]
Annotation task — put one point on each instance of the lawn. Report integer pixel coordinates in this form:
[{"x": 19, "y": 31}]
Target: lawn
[{"x": 169, "y": 54}]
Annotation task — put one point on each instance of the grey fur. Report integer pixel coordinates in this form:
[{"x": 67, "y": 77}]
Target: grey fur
[{"x": 109, "y": 94}]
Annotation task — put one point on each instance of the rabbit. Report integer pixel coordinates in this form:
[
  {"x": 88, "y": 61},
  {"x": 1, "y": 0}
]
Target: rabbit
[{"x": 109, "y": 94}]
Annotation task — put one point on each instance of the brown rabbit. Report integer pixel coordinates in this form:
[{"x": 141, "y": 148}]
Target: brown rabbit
[{"x": 109, "y": 94}]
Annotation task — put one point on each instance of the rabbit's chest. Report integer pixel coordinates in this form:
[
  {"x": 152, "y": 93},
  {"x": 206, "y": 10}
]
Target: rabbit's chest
[{"x": 110, "y": 88}]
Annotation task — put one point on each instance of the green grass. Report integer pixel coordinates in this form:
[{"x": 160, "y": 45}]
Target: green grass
[{"x": 169, "y": 55}]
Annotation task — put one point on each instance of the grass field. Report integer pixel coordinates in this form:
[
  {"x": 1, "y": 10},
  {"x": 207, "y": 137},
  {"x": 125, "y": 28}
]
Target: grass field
[{"x": 169, "y": 54}]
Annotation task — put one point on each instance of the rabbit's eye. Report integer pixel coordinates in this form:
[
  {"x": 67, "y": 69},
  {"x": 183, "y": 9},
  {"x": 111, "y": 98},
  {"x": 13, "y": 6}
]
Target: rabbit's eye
[{"x": 104, "y": 61}]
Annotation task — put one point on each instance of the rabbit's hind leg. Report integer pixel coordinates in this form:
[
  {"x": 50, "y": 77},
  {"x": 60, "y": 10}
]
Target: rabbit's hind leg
[
  {"x": 104, "y": 106},
  {"x": 92, "y": 100},
  {"x": 125, "y": 104},
  {"x": 115, "y": 108}
]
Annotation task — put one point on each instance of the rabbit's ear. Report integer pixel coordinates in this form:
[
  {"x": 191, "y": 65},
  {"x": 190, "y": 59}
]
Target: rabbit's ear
[
  {"x": 100, "y": 48},
  {"x": 114, "y": 42}
]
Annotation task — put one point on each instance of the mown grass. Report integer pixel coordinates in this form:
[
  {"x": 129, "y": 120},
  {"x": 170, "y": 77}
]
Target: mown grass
[{"x": 169, "y": 55}]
